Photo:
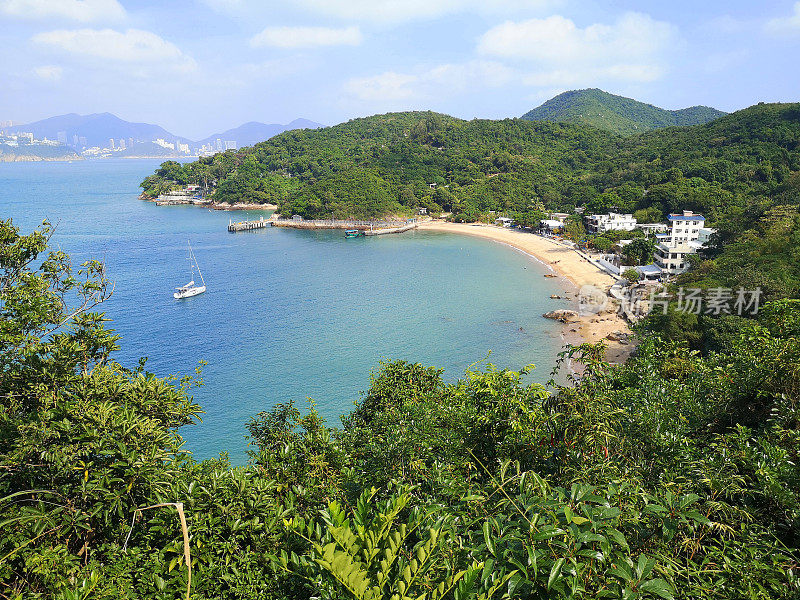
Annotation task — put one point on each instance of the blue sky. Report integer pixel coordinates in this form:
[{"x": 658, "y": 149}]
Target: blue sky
[{"x": 196, "y": 67}]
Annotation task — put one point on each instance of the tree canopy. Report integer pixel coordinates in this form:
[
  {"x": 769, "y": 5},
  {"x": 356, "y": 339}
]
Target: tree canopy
[{"x": 674, "y": 475}]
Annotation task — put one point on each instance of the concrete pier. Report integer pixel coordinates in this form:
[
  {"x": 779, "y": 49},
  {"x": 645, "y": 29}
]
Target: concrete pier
[
  {"x": 247, "y": 225},
  {"x": 366, "y": 227}
]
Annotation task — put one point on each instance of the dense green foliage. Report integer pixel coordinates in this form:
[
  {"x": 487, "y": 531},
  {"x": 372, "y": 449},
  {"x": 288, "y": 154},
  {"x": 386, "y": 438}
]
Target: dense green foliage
[
  {"x": 404, "y": 161},
  {"x": 742, "y": 171},
  {"x": 675, "y": 475},
  {"x": 617, "y": 114}
]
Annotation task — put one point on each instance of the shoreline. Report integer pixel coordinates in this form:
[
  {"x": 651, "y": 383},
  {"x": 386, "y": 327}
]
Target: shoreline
[
  {"x": 572, "y": 268},
  {"x": 212, "y": 205}
]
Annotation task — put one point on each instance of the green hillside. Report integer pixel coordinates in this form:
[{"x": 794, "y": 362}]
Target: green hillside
[
  {"x": 394, "y": 163},
  {"x": 406, "y": 160},
  {"x": 618, "y": 114}
]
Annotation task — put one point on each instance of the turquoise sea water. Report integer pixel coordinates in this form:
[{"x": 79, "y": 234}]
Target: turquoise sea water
[{"x": 288, "y": 314}]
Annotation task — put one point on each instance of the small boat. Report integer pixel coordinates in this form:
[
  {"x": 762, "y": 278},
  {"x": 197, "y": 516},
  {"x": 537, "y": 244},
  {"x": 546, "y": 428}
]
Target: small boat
[
  {"x": 190, "y": 289},
  {"x": 351, "y": 233}
]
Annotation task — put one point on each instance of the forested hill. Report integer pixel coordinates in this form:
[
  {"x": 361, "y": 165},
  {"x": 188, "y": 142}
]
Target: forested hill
[
  {"x": 617, "y": 114},
  {"x": 397, "y": 162}
]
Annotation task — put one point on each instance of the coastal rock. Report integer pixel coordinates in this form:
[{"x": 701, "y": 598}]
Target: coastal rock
[
  {"x": 555, "y": 297},
  {"x": 617, "y": 336},
  {"x": 563, "y": 315},
  {"x": 550, "y": 275}
]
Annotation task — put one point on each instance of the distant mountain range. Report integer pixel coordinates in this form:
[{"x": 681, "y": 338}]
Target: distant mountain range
[
  {"x": 253, "y": 132},
  {"x": 97, "y": 129},
  {"x": 593, "y": 107},
  {"x": 617, "y": 113}
]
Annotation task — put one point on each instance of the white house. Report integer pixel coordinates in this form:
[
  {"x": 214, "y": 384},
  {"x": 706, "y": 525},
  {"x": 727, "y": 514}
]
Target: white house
[
  {"x": 649, "y": 228},
  {"x": 550, "y": 225},
  {"x": 686, "y": 236},
  {"x": 504, "y": 221},
  {"x": 610, "y": 222},
  {"x": 648, "y": 272}
]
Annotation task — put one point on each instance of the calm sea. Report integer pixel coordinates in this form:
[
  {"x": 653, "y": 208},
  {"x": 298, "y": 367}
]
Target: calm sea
[{"x": 288, "y": 314}]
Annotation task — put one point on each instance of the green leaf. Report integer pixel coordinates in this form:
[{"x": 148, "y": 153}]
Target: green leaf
[
  {"x": 659, "y": 587},
  {"x": 555, "y": 571},
  {"x": 487, "y": 536}
]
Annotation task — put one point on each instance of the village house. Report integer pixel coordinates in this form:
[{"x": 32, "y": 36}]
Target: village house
[
  {"x": 550, "y": 226},
  {"x": 610, "y": 222},
  {"x": 686, "y": 236},
  {"x": 652, "y": 228}
]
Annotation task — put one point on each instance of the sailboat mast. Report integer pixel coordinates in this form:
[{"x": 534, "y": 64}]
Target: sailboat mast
[{"x": 194, "y": 258}]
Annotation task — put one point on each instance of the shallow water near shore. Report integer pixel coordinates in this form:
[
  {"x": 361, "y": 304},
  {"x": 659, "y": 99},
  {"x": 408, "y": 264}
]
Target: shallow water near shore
[{"x": 288, "y": 314}]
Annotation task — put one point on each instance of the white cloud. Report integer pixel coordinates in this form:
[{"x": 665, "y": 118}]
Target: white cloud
[
  {"x": 307, "y": 37},
  {"x": 386, "y": 86},
  {"x": 48, "y": 72},
  {"x": 631, "y": 49},
  {"x": 387, "y": 11},
  {"x": 790, "y": 24},
  {"x": 558, "y": 40},
  {"x": 84, "y": 11},
  {"x": 133, "y": 46},
  {"x": 429, "y": 83}
]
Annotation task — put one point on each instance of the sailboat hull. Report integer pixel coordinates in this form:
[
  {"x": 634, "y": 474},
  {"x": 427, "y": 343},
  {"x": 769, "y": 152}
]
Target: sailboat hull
[{"x": 189, "y": 292}]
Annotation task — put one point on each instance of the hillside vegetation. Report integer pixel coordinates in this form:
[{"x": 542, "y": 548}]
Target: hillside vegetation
[
  {"x": 473, "y": 165},
  {"x": 624, "y": 116},
  {"x": 407, "y": 160}
]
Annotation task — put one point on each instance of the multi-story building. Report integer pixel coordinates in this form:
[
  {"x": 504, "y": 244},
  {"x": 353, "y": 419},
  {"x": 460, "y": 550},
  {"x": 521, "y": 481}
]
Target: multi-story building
[
  {"x": 651, "y": 228},
  {"x": 687, "y": 235},
  {"x": 610, "y": 222}
]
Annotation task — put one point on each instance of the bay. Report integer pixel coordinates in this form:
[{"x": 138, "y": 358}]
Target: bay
[{"x": 288, "y": 314}]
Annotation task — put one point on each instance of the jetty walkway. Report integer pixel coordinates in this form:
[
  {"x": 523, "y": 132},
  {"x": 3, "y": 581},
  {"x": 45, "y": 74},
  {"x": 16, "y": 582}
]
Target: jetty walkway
[
  {"x": 365, "y": 227},
  {"x": 247, "y": 225}
]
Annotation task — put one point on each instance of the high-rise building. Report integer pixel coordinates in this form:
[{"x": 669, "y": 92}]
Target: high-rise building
[
  {"x": 230, "y": 145},
  {"x": 82, "y": 140},
  {"x": 61, "y": 136},
  {"x": 122, "y": 143},
  {"x": 219, "y": 144},
  {"x": 111, "y": 143},
  {"x": 130, "y": 142},
  {"x": 75, "y": 140}
]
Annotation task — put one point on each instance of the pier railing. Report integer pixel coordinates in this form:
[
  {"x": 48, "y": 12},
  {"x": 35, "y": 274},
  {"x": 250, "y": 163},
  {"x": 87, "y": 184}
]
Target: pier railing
[
  {"x": 343, "y": 223},
  {"x": 247, "y": 225},
  {"x": 367, "y": 227}
]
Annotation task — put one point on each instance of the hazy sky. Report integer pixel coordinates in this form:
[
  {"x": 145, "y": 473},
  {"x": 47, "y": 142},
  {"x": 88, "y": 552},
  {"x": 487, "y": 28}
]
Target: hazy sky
[{"x": 201, "y": 66}]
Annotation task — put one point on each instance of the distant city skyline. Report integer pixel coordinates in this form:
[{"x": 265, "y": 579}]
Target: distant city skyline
[{"x": 209, "y": 65}]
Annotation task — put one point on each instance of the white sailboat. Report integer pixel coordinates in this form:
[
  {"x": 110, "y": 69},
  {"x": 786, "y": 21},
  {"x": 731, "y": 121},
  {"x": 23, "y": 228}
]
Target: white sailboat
[{"x": 190, "y": 289}]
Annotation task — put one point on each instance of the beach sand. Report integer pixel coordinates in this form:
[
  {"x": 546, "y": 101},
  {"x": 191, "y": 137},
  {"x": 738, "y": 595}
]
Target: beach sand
[{"x": 566, "y": 262}]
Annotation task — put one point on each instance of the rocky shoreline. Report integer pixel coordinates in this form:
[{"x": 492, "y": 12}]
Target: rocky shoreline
[{"x": 211, "y": 205}]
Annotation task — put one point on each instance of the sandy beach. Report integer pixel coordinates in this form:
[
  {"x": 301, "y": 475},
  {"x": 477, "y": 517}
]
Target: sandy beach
[{"x": 571, "y": 266}]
